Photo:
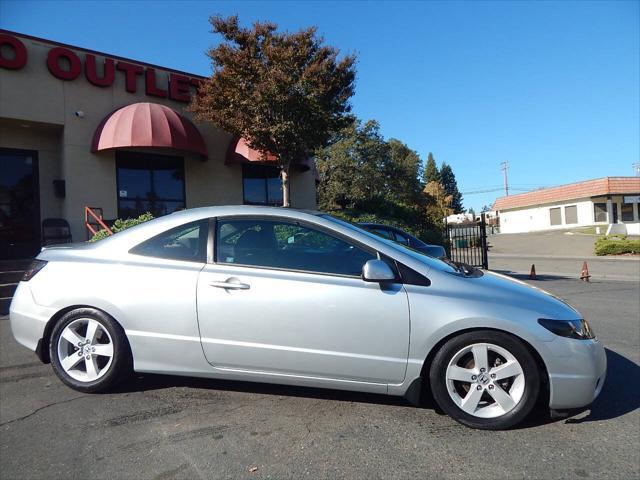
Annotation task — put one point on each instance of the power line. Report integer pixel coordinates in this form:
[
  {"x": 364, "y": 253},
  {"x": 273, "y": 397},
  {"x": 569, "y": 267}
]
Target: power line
[{"x": 499, "y": 189}]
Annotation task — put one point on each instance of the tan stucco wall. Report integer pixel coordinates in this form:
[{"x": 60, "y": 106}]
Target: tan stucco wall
[{"x": 33, "y": 94}]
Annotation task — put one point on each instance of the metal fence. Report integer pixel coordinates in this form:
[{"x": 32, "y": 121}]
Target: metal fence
[{"x": 468, "y": 242}]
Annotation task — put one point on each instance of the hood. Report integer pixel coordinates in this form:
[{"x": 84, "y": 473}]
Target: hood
[{"x": 503, "y": 290}]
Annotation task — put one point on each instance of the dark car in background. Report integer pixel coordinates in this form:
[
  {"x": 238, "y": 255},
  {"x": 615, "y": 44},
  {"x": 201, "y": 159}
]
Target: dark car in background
[{"x": 404, "y": 238}]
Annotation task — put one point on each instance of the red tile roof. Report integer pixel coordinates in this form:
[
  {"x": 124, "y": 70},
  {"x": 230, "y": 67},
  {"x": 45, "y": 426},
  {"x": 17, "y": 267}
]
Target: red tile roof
[{"x": 571, "y": 191}]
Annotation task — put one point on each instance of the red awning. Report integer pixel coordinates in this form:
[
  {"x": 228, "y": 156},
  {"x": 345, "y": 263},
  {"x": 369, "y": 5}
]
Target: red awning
[
  {"x": 239, "y": 152},
  {"x": 148, "y": 125}
]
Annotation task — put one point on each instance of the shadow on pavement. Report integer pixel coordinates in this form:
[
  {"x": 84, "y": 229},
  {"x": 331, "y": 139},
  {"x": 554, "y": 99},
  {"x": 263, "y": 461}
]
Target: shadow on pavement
[
  {"x": 147, "y": 382},
  {"x": 620, "y": 394},
  {"x": 621, "y": 391},
  {"x": 525, "y": 276}
]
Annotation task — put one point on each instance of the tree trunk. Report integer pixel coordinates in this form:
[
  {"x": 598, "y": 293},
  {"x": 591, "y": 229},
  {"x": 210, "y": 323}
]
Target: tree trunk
[{"x": 284, "y": 174}]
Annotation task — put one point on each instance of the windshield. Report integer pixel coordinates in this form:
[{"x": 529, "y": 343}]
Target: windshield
[{"x": 443, "y": 264}]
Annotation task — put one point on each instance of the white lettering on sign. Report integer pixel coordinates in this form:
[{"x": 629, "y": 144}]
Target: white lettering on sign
[
  {"x": 123, "y": 194},
  {"x": 631, "y": 199}
]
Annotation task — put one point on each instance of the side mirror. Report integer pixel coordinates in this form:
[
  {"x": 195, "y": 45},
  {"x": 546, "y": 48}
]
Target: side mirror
[{"x": 377, "y": 271}]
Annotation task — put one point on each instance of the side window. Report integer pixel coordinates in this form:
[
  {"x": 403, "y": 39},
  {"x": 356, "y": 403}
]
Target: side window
[
  {"x": 286, "y": 245},
  {"x": 401, "y": 238},
  {"x": 187, "y": 242},
  {"x": 384, "y": 233}
]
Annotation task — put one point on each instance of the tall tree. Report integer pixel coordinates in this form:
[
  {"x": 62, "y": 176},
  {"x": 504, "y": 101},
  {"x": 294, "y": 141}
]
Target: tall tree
[
  {"x": 439, "y": 202},
  {"x": 365, "y": 178},
  {"x": 284, "y": 93},
  {"x": 431, "y": 173},
  {"x": 404, "y": 171},
  {"x": 448, "y": 181},
  {"x": 352, "y": 168}
]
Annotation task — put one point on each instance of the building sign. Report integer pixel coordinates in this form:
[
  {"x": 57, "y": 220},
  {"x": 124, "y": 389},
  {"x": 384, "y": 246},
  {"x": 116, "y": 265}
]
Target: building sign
[
  {"x": 68, "y": 65},
  {"x": 631, "y": 199}
]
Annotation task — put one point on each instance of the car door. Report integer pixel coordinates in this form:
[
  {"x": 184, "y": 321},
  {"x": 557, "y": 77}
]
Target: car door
[{"x": 287, "y": 298}]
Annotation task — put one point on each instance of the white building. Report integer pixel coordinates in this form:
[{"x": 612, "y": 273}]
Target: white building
[
  {"x": 460, "y": 218},
  {"x": 610, "y": 202}
]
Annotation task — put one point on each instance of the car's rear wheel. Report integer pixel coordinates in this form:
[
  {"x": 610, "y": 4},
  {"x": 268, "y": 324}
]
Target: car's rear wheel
[
  {"x": 89, "y": 351},
  {"x": 485, "y": 379}
]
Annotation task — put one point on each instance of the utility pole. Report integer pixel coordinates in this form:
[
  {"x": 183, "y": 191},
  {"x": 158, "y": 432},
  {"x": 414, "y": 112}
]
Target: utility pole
[
  {"x": 505, "y": 166},
  {"x": 636, "y": 167}
]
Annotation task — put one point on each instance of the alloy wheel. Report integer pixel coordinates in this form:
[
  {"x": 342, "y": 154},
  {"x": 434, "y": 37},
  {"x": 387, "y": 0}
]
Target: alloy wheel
[
  {"x": 485, "y": 380},
  {"x": 85, "y": 350}
]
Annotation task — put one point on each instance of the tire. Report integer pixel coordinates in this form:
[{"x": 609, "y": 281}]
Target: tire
[
  {"x": 492, "y": 399},
  {"x": 93, "y": 364}
]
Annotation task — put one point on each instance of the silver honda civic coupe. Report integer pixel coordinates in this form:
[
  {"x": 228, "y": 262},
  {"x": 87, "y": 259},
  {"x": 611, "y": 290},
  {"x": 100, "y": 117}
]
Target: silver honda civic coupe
[{"x": 292, "y": 297}]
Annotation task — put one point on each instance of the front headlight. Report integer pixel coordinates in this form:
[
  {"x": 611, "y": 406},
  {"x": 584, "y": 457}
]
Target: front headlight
[{"x": 578, "y": 329}]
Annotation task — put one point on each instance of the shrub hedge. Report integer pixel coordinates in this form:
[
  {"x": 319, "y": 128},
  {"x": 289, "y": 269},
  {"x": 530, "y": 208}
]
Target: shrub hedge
[
  {"x": 121, "y": 224},
  {"x": 616, "y": 245}
]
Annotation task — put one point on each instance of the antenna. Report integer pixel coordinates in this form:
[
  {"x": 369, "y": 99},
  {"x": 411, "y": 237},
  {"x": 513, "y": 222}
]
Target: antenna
[
  {"x": 636, "y": 167},
  {"x": 505, "y": 166}
]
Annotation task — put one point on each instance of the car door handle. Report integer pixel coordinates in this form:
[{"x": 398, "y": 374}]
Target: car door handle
[{"x": 233, "y": 285}]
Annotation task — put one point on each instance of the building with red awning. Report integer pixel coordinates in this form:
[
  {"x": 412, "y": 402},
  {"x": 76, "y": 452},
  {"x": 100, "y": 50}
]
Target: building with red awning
[{"x": 82, "y": 128}]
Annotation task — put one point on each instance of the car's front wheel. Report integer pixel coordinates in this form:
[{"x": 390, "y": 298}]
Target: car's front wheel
[
  {"x": 485, "y": 379},
  {"x": 89, "y": 351}
]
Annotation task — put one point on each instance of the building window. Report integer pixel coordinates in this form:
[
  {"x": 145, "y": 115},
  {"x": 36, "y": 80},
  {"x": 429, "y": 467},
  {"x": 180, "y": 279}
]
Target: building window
[
  {"x": 261, "y": 185},
  {"x": 626, "y": 211},
  {"x": 149, "y": 183},
  {"x": 571, "y": 214},
  {"x": 600, "y": 212},
  {"x": 555, "y": 217}
]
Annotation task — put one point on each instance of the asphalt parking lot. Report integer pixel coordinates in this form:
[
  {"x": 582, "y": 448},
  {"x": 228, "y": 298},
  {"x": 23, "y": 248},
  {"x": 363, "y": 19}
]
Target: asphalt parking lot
[{"x": 158, "y": 427}]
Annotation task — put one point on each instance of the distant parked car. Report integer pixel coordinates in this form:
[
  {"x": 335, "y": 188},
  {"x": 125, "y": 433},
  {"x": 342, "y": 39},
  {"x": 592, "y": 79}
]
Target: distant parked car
[{"x": 404, "y": 238}]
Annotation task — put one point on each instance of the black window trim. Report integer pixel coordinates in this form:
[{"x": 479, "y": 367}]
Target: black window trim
[{"x": 305, "y": 224}]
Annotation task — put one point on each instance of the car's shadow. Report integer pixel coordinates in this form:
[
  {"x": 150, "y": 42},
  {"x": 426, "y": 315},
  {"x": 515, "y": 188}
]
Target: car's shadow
[{"x": 620, "y": 394}]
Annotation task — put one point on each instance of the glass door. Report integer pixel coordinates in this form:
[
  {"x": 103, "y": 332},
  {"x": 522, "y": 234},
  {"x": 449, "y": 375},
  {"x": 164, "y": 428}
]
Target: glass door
[
  {"x": 19, "y": 204},
  {"x": 149, "y": 183}
]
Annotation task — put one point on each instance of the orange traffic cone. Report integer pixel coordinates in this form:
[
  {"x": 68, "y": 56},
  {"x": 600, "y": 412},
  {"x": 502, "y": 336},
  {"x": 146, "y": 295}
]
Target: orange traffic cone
[
  {"x": 584, "y": 274},
  {"x": 532, "y": 275}
]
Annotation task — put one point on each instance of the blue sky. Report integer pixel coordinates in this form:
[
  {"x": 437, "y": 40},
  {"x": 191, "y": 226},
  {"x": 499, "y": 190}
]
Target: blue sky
[{"x": 552, "y": 87}]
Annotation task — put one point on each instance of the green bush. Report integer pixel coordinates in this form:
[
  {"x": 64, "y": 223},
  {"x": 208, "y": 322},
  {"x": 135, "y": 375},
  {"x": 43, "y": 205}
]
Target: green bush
[
  {"x": 121, "y": 224},
  {"x": 616, "y": 245}
]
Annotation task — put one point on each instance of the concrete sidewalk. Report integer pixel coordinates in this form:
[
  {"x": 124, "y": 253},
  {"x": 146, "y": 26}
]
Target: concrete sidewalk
[{"x": 602, "y": 268}]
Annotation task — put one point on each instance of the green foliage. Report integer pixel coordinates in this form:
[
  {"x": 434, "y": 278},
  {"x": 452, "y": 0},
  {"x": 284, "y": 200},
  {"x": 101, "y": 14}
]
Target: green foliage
[
  {"x": 121, "y": 224},
  {"x": 448, "y": 181},
  {"x": 616, "y": 245},
  {"x": 284, "y": 93},
  {"x": 431, "y": 173},
  {"x": 359, "y": 170},
  {"x": 364, "y": 178}
]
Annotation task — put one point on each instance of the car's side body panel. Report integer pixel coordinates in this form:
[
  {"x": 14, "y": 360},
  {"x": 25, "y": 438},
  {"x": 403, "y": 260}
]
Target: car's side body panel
[{"x": 307, "y": 324}]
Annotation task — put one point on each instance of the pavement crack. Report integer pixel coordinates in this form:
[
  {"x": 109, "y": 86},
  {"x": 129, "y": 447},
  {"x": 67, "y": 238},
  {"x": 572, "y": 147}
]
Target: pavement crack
[{"x": 37, "y": 410}]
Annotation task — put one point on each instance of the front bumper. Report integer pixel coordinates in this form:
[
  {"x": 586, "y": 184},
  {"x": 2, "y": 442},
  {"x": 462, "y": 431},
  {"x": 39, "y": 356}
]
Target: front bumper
[
  {"x": 577, "y": 371},
  {"x": 28, "y": 319}
]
